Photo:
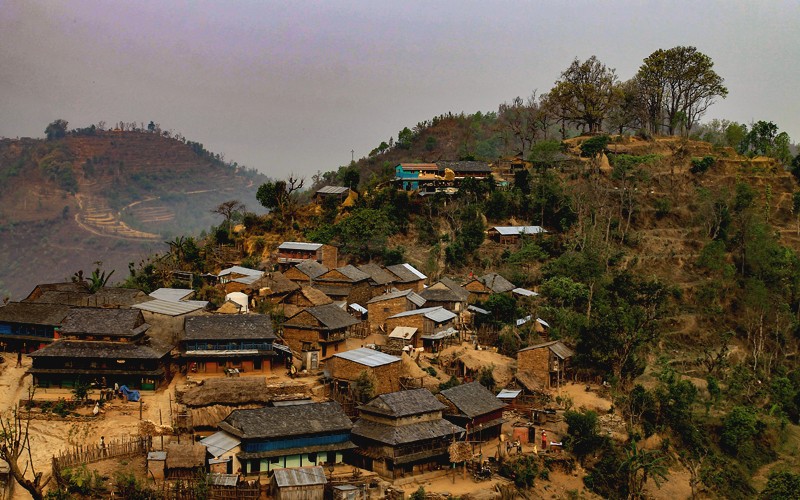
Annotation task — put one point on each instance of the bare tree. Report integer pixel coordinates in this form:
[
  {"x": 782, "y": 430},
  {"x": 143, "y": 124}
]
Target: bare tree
[
  {"x": 227, "y": 209},
  {"x": 15, "y": 444}
]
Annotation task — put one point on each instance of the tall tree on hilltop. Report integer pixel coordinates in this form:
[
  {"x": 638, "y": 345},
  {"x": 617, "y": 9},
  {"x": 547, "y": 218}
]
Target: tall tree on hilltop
[
  {"x": 56, "y": 129},
  {"x": 678, "y": 86},
  {"x": 281, "y": 196},
  {"x": 228, "y": 209},
  {"x": 587, "y": 91}
]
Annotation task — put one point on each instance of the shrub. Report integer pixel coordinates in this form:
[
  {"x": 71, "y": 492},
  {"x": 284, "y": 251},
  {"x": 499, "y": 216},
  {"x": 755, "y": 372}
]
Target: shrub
[{"x": 701, "y": 165}]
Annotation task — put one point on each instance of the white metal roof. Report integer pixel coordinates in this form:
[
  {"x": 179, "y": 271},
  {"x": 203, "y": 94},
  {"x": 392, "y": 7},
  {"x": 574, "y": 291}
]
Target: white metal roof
[
  {"x": 170, "y": 308},
  {"x": 403, "y": 332},
  {"x": 517, "y": 230},
  {"x": 241, "y": 270},
  {"x": 477, "y": 310},
  {"x": 247, "y": 280},
  {"x": 333, "y": 190},
  {"x": 300, "y": 476},
  {"x": 542, "y": 322},
  {"x": 524, "y": 320},
  {"x": 524, "y": 292},
  {"x": 357, "y": 307},
  {"x": 367, "y": 357},
  {"x": 440, "y": 315},
  {"x": 508, "y": 393},
  {"x": 299, "y": 245},
  {"x": 441, "y": 335},
  {"x": 172, "y": 294},
  {"x": 220, "y": 443}
]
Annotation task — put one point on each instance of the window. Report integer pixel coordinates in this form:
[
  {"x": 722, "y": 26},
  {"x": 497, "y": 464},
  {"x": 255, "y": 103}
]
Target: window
[
  {"x": 275, "y": 460},
  {"x": 312, "y": 457}
]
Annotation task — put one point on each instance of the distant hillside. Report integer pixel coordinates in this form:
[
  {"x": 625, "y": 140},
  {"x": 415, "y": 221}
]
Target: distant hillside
[{"x": 111, "y": 196}]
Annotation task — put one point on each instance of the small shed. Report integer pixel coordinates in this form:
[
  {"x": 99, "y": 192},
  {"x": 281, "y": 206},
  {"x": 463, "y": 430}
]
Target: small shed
[
  {"x": 349, "y": 492},
  {"x": 299, "y": 483},
  {"x": 185, "y": 460},
  {"x": 547, "y": 363},
  {"x": 156, "y": 464},
  {"x": 346, "y": 367},
  {"x": 222, "y": 448},
  {"x": 510, "y": 396}
]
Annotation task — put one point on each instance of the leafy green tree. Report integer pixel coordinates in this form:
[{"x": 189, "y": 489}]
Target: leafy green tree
[
  {"x": 503, "y": 308},
  {"x": 280, "y": 196},
  {"x": 760, "y": 140},
  {"x": 56, "y": 130},
  {"x": 363, "y": 388},
  {"x": 405, "y": 138},
  {"x": 486, "y": 377},
  {"x": 587, "y": 91},
  {"x": 678, "y": 86},
  {"x": 735, "y": 134},
  {"x": 364, "y": 233},
  {"x": 583, "y": 433},
  {"x": 350, "y": 176},
  {"x": 593, "y": 146},
  {"x": 229, "y": 209},
  {"x": 781, "y": 485}
]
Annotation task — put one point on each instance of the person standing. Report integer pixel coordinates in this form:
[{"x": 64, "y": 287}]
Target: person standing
[{"x": 544, "y": 440}]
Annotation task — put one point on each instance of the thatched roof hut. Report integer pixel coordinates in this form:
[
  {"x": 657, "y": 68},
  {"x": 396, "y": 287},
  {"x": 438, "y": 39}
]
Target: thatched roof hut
[
  {"x": 185, "y": 456},
  {"x": 238, "y": 391}
]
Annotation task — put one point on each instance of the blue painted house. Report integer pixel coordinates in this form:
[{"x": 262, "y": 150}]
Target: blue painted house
[
  {"x": 289, "y": 436},
  {"x": 29, "y": 326},
  {"x": 408, "y": 176}
]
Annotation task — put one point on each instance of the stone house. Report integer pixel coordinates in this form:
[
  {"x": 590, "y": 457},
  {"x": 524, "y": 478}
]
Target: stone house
[
  {"x": 305, "y": 271},
  {"x": 488, "y": 284},
  {"x": 346, "y": 283},
  {"x": 290, "y": 253},
  {"x": 379, "y": 278},
  {"x": 407, "y": 277},
  {"x": 474, "y": 408},
  {"x": 214, "y": 344},
  {"x": 403, "y": 433},
  {"x": 28, "y": 326},
  {"x": 432, "y": 324},
  {"x": 545, "y": 364},
  {"x": 383, "y": 306},
  {"x": 384, "y": 369},
  {"x": 322, "y": 327},
  {"x": 510, "y": 235}
]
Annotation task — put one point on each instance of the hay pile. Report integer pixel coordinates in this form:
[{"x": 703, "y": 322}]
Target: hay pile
[{"x": 150, "y": 428}]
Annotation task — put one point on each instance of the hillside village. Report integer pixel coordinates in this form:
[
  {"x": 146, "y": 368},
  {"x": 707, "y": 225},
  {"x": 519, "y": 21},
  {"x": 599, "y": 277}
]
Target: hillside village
[
  {"x": 315, "y": 373},
  {"x": 586, "y": 294}
]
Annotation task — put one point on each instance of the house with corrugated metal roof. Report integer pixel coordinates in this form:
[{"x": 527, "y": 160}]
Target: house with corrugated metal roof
[
  {"x": 338, "y": 193},
  {"x": 544, "y": 365},
  {"x": 403, "y": 433},
  {"x": 507, "y": 235},
  {"x": 305, "y": 271},
  {"x": 396, "y": 301},
  {"x": 434, "y": 325},
  {"x": 290, "y": 253},
  {"x": 384, "y": 369},
  {"x": 302, "y": 483},
  {"x": 289, "y": 436}
]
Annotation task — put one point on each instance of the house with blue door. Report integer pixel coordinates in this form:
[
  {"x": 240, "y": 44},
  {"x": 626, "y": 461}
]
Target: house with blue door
[
  {"x": 410, "y": 176},
  {"x": 289, "y": 436},
  {"x": 228, "y": 343}
]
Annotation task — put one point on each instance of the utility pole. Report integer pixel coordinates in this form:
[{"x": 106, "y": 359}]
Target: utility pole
[{"x": 352, "y": 155}]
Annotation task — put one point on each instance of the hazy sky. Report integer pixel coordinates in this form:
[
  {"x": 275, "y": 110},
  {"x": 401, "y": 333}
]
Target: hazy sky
[{"x": 293, "y": 86}]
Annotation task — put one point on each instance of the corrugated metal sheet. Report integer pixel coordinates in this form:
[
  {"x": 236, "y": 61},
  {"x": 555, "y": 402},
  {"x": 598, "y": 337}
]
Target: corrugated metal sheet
[
  {"x": 524, "y": 320},
  {"x": 403, "y": 332},
  {"x": 508, "y": 394},
  {"x": 170, "y": 308},
  {"x": 441, "y": 335},
  {"x": 172, "y": 294},
  {"x": 524, "y": 292},
  {"x": 440, "y": 315},
  {"x": 333, "y": 190},
  {"x": 229, "y": 480},
  {"x": 220, "y": 443},
  {"x": 477, "y": 309},
  {"x": 415, "y": 312},
  {"x": 561, "y": 350},
  {"x": 241, "y": 270},
  {"x": 542, "y": 322},
  {"x": 299, "y": 245},
  {"x": 357, "y": 307},
  {"x": 367, "y": 357},
  {"x": 300, "y": 476}
]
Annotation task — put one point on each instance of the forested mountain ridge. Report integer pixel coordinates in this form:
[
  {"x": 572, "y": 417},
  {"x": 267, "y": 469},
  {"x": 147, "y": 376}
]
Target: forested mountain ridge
[{"x": 105, "y": 195}]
